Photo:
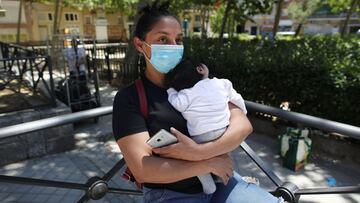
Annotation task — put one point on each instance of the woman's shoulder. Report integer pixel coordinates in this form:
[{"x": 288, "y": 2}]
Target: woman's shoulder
[{"x": 126, "y": 94}]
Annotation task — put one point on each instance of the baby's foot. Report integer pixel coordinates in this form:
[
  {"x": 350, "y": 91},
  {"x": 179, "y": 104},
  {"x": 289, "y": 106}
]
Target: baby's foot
[{"x": 250, "y": 179}]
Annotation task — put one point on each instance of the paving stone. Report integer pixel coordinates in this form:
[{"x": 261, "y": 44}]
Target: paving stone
[
  {"x": 61, "y": 191},
  {"x": 36, "y": 190},
  {"x": 12, "y": 197},
  {"x": 54, "y": 198},
  {"x": 3, "y": 195},
  {"x": 70, "y": 199},
  {"x": 49, "y": 190},
  {"x": 40, "y": 198},
  {"x": 75, "y": 193},
  {"x": 27, "y": 198},
  {"x": 23, "y": 188}
]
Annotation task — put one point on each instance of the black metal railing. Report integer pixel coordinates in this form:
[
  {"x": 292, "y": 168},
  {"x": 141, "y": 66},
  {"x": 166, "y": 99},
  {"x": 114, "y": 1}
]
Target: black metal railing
[
  {"x": 109, "y": 59},
  {"x": 33, "y": 72},
  {"x": 97, "y": 187},
  {"x": 9, "y": 51}
]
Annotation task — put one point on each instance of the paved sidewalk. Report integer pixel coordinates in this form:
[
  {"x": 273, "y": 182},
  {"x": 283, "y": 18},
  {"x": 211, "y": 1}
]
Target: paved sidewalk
[{"x": 97, "y": 152}]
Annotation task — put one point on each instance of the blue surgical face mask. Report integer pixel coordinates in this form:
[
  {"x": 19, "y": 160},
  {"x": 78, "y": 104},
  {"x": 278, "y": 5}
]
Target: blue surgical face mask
[{"x": 165, "y": 57}]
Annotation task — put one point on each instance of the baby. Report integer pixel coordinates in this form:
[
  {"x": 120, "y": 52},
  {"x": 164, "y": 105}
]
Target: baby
[{"x": 203, "y": 102}]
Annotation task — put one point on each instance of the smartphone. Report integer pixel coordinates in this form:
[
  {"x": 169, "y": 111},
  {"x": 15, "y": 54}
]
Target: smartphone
[{"x": 161, "y": 139}]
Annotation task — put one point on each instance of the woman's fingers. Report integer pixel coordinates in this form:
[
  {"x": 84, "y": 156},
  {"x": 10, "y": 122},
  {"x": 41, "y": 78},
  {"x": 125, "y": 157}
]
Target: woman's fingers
[
  {"x": 164, "y": 150},
  {"x": 185, "y": 148},
  {"x": 222, "y": 167},
  {"x": 181, "y": 137}
]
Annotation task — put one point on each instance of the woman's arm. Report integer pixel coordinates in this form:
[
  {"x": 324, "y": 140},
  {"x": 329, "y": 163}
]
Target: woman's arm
[
  {"x": 151, "y": 169},
  {"x": 186, "y": 149}
]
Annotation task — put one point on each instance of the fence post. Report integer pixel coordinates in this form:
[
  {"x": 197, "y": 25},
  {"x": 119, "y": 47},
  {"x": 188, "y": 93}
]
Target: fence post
[
  {"x": 106, "y": 52},
  {"x": 52, "y": 92}
]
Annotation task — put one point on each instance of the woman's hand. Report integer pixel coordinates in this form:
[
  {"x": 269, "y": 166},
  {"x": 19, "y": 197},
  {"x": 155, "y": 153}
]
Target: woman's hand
[
  {"x": 185, "y": 148},
  {"x": 221, "y": 166}
]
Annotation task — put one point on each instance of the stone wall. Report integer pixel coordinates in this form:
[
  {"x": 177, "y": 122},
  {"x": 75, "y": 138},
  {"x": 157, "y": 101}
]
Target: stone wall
[{"x": 38, "y": 143}]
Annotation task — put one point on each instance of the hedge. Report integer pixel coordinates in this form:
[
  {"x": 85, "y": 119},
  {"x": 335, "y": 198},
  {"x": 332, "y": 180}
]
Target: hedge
[{"x": 318, "y": 75}]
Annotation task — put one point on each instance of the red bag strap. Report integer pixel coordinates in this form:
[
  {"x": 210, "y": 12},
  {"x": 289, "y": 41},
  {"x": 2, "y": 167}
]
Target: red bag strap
[{"x": 142, "y": 98}]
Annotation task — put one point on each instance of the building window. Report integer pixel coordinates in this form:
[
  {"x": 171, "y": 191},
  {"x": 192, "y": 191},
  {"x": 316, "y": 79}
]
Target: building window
[
  {"x": 196, "y": 29},
  {"x": 50, "y": 17},
  {"x": 197, "y": 18},
  {"x": 71, "y": 17},
  {"x": 253, "y": 30}
]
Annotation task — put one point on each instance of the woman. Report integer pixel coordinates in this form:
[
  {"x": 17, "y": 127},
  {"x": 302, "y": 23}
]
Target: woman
[{"x": 171, "y": 177}]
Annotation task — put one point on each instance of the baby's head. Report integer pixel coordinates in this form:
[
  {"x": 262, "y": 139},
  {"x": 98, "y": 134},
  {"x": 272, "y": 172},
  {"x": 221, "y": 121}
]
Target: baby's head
[{"x": 186, "y": 74}]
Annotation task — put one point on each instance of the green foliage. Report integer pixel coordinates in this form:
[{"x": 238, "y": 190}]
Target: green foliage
[
  {"x": 300, "y": 11},
  {"x": 338, "y": 5},
  {"x": 126, "y": 6},
  {"x": 216, "y": 19},
  {"x": 318, "y": 75},
  {"x": 240, "y": 12}
]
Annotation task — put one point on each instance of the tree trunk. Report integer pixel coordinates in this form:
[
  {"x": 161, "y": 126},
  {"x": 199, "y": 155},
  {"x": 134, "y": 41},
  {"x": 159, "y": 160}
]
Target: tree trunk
[
  {"x": 231, "y": 25},
  {"x": 348, "y": 15},
  {"x": 54, "y": 38},
  {"x": 19, "y": 22},
  {"x": 203, "y": 16},
  {"x": 277, "y": 17},
  {"x": 207, "y": 20},
  {"x": 298, "y": 29},
  {"x": 56, "y": 17},
  {"x": 226, "y": 14}
]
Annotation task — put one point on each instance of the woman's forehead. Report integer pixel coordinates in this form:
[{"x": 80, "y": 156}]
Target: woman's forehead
[{"x": 167, "y": 26}]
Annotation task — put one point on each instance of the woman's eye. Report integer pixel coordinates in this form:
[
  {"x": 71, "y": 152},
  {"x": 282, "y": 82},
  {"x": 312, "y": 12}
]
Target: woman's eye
[
  {"x": 163, "y": 40},
  {"x": 179, "y": 41}
]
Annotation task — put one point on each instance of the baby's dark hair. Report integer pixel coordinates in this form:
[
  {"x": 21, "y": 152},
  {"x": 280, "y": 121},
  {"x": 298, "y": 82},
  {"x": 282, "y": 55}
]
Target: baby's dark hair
[
  {"x": 184, "y": 75},
  {"x": 150, "y": 15}
]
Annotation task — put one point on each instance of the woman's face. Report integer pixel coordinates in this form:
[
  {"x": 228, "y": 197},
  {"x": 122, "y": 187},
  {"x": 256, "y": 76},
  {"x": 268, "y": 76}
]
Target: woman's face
[{"x": 166, "y": 31}]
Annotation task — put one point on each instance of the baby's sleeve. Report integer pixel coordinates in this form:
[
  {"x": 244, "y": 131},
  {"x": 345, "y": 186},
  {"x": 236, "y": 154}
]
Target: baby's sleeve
[
  {"x": 235, "y": 97},
  {"x": 179, "y": 100}
]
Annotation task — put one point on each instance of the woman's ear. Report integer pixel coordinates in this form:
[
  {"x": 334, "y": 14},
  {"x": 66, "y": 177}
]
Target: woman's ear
[{"x": 138, "y": 43}]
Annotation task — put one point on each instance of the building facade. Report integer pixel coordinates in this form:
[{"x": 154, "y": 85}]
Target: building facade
[
  {"x": 38, "y": 20},
  {"x": 322, "y": 21}
]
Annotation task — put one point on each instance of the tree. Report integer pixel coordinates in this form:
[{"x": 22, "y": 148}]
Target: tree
[
  {"x": 19, "y": 22},
  {"x": 347, "y": 6},
  {"x": 277, "y": 16},
  {"x": 300, "y": 11},
  {"x": 239, "y": 11},
  {"x": 226, "y": 14}
]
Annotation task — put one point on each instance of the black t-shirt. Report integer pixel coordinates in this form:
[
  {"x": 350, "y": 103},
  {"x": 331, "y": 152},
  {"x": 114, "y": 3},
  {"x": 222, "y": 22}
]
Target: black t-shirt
[{"x": 127, "y": 120}]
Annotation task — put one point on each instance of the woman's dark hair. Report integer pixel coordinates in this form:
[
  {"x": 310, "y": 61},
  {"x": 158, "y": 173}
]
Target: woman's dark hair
[
  {"x": 150, "y": 15},
  {"x": 184, "y": 75}
]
